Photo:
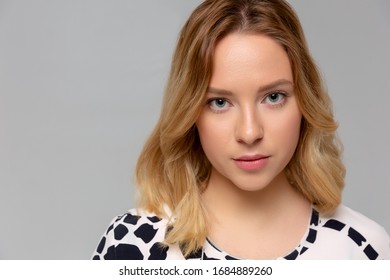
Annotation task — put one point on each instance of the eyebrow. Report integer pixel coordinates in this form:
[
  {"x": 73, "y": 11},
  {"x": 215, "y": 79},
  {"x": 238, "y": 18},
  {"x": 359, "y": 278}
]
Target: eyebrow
[{"x": 268, "y": 87}]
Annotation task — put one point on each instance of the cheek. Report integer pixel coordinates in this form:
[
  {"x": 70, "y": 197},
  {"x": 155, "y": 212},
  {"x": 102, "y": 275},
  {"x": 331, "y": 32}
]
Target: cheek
[
  {"x": 290, "y": 131},
  {"x": 213, "y": 134},
  {"x": 283, "y": 129}
]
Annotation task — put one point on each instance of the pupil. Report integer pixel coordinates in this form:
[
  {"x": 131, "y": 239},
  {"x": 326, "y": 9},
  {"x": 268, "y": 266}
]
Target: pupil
[{"x": 220, "y": 102}]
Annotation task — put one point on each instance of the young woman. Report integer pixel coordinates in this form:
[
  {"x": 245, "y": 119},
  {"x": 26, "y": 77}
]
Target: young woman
[{"x": 244, "y": 162}]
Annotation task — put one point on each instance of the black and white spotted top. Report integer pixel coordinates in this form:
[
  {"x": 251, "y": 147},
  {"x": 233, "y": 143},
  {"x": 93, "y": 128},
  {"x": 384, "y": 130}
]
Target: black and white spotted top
[{"x": 347, "y": 234}]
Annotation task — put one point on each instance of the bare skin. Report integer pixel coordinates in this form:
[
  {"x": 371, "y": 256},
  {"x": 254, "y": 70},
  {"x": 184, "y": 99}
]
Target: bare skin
[{"x": 249, "y": 129}]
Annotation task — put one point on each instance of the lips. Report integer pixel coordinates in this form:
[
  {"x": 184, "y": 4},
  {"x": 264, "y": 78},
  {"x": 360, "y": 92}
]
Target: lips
[{"x": 251, "y": 162}]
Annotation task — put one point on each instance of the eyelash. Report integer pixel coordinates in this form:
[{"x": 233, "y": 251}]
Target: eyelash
[
  {"x": 218, "y": 111},
  {"x": 278, "y": 104}
]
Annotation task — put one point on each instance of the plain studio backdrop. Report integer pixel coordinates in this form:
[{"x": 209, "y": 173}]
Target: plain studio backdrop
[{"x": 81, "y": 84}]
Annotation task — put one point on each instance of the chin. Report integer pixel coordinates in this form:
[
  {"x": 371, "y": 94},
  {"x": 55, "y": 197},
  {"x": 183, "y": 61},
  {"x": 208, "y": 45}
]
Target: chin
[
  {"x": 252, "y": 186},
  {"x": 258, "y": 183}
]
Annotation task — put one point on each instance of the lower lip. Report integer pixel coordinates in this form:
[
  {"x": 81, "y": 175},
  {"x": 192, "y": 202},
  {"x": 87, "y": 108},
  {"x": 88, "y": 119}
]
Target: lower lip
[{"x": 250, "y": 165}]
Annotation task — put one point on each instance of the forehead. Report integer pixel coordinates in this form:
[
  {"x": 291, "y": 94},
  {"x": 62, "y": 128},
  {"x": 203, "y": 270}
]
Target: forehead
[{"x": 240, "y": 55}]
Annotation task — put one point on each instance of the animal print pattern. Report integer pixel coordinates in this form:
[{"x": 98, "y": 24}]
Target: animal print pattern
[{"x": 138, "y": 235}]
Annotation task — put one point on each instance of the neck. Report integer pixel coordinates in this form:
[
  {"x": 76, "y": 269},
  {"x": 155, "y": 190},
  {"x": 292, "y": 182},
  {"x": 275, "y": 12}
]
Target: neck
[
  {"x": 227, "y": 203},
  {"x": 257, "y": 221}
]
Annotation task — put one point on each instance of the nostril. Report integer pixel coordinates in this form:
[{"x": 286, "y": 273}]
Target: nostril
[{"x": 249, "y": 130}]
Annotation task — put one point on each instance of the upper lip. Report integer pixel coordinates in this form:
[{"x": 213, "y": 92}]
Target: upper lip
[{"x": 250, "y": 157}]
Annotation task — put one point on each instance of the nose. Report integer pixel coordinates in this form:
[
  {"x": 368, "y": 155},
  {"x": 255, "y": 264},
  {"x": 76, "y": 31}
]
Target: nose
[{"x": 249, "y": 128}]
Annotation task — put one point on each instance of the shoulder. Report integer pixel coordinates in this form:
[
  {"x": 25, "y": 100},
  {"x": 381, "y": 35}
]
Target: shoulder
[
  {"x": 136, "y": 235},
  {"x": 359, "y": 223},
  {"x": 361, "y": 236}
]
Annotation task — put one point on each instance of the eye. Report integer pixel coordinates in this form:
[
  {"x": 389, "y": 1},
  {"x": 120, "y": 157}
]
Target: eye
[
  {"x": 275, "y": 98},
  {"x": 218, "y": 104}
]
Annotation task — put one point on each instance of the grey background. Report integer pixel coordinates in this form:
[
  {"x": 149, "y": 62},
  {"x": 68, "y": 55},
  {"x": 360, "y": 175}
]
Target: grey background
[{"x": 80, "y": 89}]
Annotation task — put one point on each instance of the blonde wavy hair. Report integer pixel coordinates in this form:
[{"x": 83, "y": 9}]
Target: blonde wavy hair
[{"x": 172, "y": 170}]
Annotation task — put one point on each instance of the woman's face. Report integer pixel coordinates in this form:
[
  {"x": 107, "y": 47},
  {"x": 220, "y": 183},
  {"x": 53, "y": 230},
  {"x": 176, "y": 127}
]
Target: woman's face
[{"x": 249, "y": 126}]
